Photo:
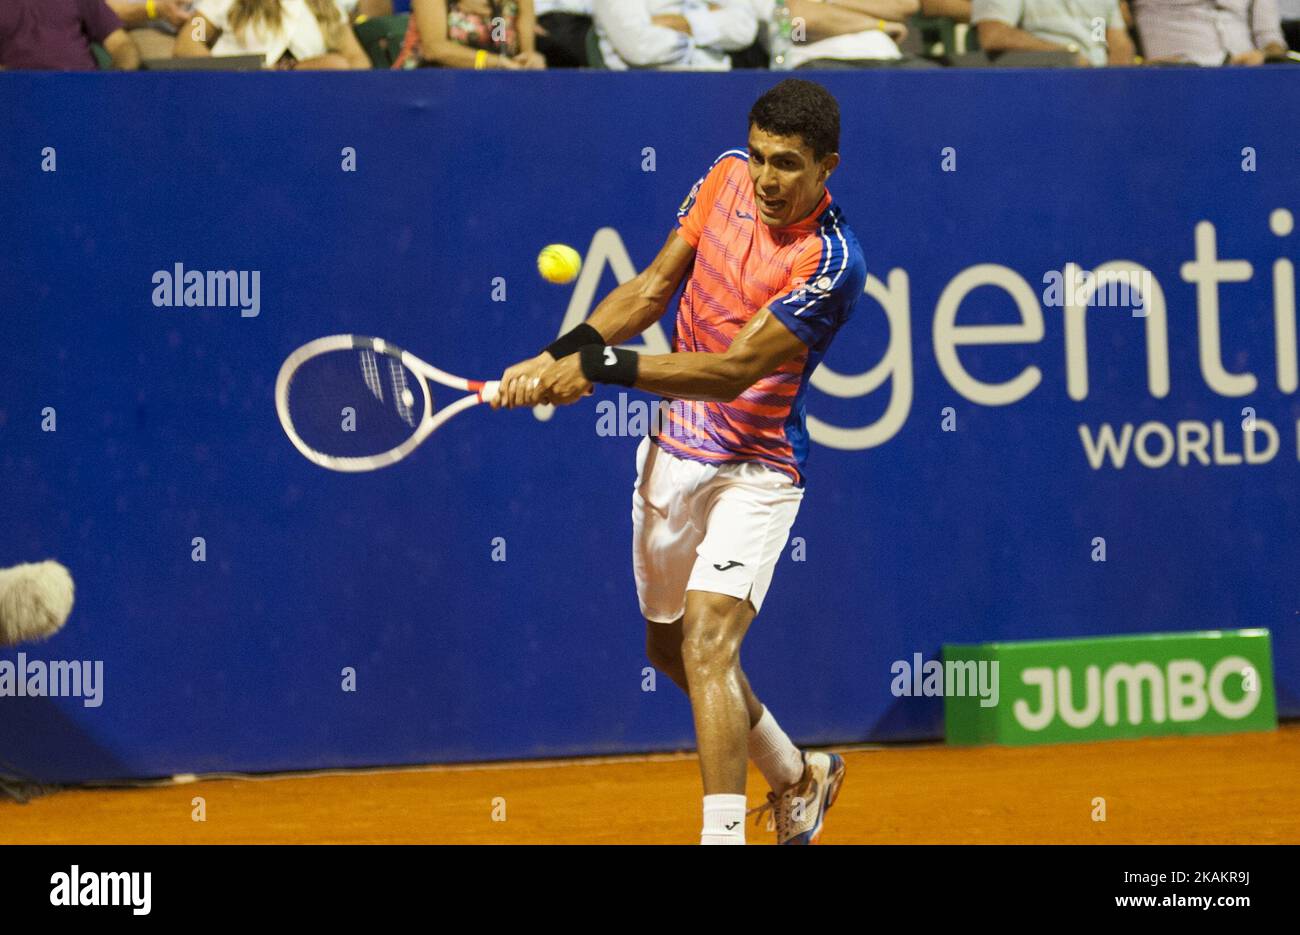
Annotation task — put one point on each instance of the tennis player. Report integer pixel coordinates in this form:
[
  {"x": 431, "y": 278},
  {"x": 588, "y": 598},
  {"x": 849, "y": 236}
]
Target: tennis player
[{"x": 772, "y": 271}]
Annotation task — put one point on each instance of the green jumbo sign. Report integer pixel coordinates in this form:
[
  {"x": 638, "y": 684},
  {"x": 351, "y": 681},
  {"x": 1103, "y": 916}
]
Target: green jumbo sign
[{"x": 1107, "y": 688}]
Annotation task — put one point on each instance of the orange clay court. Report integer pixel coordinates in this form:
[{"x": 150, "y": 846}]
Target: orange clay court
[{"x": 1230, "y": 789}]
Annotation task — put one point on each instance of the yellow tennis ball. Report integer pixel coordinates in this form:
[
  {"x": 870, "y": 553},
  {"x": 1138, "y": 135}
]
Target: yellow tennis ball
[{"x": 559, "y": 263}]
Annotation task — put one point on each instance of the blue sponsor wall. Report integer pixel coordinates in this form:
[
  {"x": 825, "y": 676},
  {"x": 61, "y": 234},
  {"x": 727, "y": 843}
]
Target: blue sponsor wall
[{"x": 166, "y": 429}]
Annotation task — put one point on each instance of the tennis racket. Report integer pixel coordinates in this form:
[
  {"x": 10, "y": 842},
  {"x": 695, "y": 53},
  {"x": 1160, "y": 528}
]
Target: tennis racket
[{"x": 351, "y": 403}]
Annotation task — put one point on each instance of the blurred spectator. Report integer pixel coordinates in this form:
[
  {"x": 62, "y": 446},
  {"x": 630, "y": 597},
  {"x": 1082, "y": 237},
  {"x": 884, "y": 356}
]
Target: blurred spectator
[
  {"x": 1290, "y": 10},
  {"x": 55, "y": 35},
  {"x": 673, "y": 34},
  {"x": 1091, "y": 30},
  {"x": 152, "y": 24},
  {"x": 958, "y": 10},
  {"x": 562, "y": 27},
  {"x": 845, "y": 34},
  {"x": 1210, "y": 32},
  {"x": 288, "y": 33},
  {"x": 471, "y": 34},
  {"x": 356, "y": 10}
]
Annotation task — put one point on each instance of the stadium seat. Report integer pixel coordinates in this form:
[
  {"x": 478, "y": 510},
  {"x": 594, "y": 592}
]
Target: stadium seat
[
  {"x": 382, "y": 37},
  {"x": 594, "y": 58}
]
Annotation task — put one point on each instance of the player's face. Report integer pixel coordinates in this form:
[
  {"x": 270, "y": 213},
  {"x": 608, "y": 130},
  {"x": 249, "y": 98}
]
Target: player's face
[{"x": 788, "y": 181}]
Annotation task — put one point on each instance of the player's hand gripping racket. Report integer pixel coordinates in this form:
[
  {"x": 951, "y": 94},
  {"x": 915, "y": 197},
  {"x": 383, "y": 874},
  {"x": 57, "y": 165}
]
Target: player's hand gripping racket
[{"x": 351, "y": 403}]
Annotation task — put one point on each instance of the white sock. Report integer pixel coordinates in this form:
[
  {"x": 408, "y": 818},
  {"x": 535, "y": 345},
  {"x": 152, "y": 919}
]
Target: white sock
[
  {"x": 777, "y": 758},
  {"x": 724, "y": 820}
]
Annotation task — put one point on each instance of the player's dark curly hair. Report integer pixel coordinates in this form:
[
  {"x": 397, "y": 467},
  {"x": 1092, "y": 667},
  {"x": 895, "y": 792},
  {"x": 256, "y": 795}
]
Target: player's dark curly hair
[{"x": 796, "y": 107}]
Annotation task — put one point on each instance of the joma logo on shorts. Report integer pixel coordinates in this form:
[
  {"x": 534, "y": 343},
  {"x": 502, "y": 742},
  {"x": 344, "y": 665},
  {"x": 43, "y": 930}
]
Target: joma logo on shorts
[{"x": 1180, "y": 692}]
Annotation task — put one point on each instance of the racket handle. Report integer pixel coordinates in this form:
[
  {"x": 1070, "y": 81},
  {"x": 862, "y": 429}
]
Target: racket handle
[{"x": 489, "y": 390}]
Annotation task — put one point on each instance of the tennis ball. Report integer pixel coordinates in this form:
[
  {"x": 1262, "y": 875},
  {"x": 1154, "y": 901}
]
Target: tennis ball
[{"x": 559, "y": 263}]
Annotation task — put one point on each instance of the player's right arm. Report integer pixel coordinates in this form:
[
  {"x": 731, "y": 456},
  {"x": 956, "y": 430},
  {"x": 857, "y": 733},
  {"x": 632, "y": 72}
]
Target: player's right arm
[{"x": 628, "y": 310}]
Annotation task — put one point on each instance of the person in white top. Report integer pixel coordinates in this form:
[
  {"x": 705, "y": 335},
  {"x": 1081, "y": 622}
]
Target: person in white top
[
  {"x": 288, "y": 33},
  {"x": 673, "y": 34},
  {"x": 842, "y": 30}
]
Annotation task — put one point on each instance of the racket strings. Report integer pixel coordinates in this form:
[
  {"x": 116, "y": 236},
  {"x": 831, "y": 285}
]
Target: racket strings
[
  {"x": 403, "y": 398},
  {"x": 370, "y": 373}
]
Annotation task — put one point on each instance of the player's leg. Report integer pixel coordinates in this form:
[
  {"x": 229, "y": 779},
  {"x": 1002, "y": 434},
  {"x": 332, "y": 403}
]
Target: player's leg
[
  {"x": 712, "y": 631},
  {"x": 776, "y": 757},
  {"x": 663, "y": 647},
  {"x": 748, "y": 521},
  {"x": 670, "y": 516},
  {"x": 752, "y": 705},
  {"x": 667, "y": 529},
  {"x": 664, "y": 542},
  {"x": 664, "y": 650}
]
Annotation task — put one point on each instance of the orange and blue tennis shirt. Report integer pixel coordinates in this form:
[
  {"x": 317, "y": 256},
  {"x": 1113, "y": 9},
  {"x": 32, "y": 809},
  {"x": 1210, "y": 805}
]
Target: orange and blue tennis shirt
[{"x": 810, "y": 274}]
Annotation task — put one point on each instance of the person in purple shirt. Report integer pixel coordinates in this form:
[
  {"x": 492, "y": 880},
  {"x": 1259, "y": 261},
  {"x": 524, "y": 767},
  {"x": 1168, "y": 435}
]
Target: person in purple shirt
[{"x": 55, "y": 35}]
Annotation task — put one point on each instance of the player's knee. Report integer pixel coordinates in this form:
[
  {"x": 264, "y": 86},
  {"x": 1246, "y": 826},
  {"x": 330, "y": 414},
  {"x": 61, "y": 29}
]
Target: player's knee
[
  {"x": 709, "y": 650},
  {"x": 712, "y": 632}
]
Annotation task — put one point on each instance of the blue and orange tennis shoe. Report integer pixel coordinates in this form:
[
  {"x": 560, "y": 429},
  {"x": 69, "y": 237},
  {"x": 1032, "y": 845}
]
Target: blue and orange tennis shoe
[{"x": 799, "y": 812}]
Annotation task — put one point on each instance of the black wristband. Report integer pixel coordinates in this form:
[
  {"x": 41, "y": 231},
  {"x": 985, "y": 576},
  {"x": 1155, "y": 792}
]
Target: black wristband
[
  {"x": 574, "y": 340},
  {"x": 609, "y": 365}
]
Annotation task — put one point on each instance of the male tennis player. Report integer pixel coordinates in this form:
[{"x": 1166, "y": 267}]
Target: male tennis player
[{"x": 774, "y": 271}]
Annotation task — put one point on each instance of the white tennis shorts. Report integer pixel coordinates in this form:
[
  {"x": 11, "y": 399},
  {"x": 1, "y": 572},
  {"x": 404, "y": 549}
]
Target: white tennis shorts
[{"x": 705, "y": 527}]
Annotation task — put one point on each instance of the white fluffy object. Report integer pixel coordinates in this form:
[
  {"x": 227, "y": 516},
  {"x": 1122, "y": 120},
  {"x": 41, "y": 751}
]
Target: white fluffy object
[{"x": 35, "y": 600}]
